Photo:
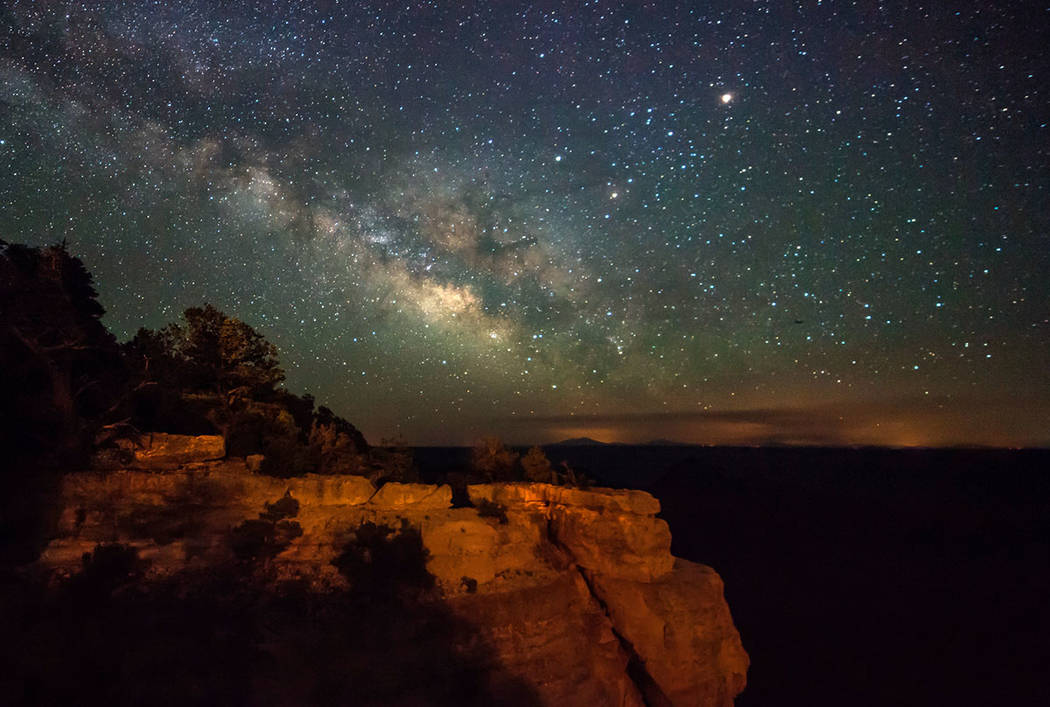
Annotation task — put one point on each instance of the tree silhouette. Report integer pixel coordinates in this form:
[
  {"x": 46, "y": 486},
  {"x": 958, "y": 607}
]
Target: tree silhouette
[
  {"x": 60, "y": 364},
  {"x": 210, "y": 352},
  {"x": 537, "y": 466},
  {"x": 62, "y": 375}
]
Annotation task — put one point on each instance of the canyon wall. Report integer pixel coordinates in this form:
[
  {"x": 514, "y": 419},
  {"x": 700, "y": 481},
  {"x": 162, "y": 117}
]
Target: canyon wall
[{"x": 575, "y": 590}]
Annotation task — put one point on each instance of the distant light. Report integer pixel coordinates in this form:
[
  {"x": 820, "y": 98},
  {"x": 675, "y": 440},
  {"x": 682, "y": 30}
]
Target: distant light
[{"x": 727, "y": 97}]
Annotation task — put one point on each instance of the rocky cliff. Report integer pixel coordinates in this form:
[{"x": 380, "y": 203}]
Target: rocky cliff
[{"x": 574, "y": 591}]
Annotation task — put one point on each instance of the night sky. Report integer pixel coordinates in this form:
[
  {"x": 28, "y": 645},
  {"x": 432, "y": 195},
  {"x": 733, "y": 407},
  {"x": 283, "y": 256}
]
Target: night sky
[{"x": 743, "y": 223}]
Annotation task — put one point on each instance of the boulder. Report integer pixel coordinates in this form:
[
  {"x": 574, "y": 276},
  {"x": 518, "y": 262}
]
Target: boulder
[
  {"x": 165, "y": 451},
  {"x": 394, "y": 496},
  {"x": 513, "y": 494},
  {"x": 335, "y": 490}
]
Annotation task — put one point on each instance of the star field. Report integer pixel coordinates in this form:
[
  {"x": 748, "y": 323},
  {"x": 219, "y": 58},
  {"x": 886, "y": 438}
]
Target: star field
[{"x": 749, "y": 223}]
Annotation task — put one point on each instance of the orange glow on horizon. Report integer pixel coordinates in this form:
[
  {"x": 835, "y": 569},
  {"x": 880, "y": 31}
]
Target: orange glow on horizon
[{"x": 886, "y": 424}]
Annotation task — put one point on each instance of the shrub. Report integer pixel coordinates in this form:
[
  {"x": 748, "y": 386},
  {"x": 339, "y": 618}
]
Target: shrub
[
  {"x": 537, "y": 466},
  {"x": 488, "y": 509},
  {"x": 384, "y": 564},
  {"x": 262, "y": 539},
  {"x": 107, "y": 568},
  {"x": 491, "y": 458}
]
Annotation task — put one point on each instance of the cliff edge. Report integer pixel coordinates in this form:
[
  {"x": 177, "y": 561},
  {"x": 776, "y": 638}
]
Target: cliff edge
[{"x": 574, "y": 591}]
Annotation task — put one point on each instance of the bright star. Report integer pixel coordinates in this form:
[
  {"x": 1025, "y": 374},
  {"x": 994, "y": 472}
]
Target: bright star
[{"x": 727, "y": 97}]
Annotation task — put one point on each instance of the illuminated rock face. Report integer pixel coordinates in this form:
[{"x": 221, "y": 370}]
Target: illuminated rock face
[
  {"x": 159, "y": 450},
  {"x": 575, "y": 590},
  {"x": 680, "y": 627}
]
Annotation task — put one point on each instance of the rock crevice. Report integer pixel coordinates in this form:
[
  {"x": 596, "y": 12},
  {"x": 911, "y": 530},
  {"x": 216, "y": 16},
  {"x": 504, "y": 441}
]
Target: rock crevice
[{"x": 647, "y": 687}]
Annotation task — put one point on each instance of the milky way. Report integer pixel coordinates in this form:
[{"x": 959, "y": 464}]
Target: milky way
[{"x": 750, "y": 223}]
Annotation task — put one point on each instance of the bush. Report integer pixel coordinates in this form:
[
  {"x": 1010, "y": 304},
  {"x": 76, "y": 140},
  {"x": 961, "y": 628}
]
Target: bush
[
  {"x": 284, "y": 507},
  {"x": 107, "y": 568},
  {"x": 392, "y": 461},
  {"x": 491, "y": 458},
  {"x": 488, "y": 509},
  {"x": 262, "y": 539},
  {"x": 537, "y": 466},
  {"x": 385, "y": 564}
]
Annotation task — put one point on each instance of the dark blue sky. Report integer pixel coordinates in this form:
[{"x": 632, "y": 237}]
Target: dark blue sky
[{"x": 748, "y": 223}]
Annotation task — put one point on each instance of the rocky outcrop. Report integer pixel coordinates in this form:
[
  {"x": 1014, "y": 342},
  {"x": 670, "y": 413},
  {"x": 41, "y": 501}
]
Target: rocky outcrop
[
  {"x": 165, "y": 451},
  {"x": 670, "y": 615},
  {"x": 609, "y": 531},
  {"x": 414, "y": 497},
  {"x": 575, "y": 590},
  {"x": 680, "y": 628},
  {"x": 555, "y": 637}
]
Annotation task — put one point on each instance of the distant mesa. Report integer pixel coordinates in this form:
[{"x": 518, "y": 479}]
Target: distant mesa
[
  {"x": 589, "y": 442},
  {"x": 579, "y": 442}
]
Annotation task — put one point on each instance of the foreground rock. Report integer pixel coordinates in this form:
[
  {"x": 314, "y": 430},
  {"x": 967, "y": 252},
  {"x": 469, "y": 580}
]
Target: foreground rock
[
  {"x": 681, "y": 629},
  {"x": 574, "y": 591},
  {"x": 165, "y": 451}
]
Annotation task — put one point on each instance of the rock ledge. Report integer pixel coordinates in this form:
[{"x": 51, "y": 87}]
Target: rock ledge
[{"x": 568, "y": 585}]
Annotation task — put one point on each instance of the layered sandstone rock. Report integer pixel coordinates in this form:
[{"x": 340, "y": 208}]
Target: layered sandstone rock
[
  {"x": 575, "y": 590},
  {"x": 680, "y": 628},
  {"x": 160, "y": 451},
  {"x": 555, "y": 637},
  {"x": 417, "y": 497}
]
